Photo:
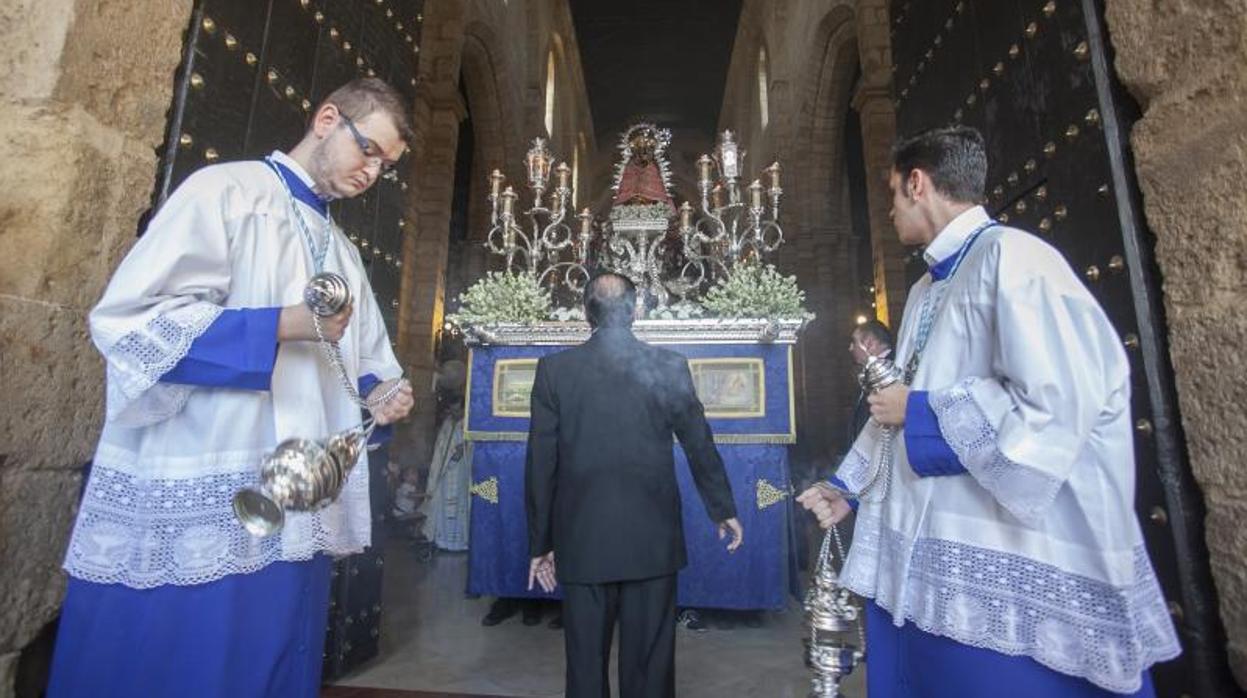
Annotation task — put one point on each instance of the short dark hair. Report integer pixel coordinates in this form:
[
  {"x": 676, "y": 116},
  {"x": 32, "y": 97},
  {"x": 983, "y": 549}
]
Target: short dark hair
[
  {"x": 954, "y": 157},
  {"x": 875, "y": 329},
  {"x": 610, "y": 300},
  {"x": 364, "y": 96}
]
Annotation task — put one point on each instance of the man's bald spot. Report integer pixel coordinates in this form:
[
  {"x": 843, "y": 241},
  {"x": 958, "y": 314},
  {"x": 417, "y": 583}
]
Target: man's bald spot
[
  {"x": 610, "y": 300},
  {"x": 609, "y": 287}
]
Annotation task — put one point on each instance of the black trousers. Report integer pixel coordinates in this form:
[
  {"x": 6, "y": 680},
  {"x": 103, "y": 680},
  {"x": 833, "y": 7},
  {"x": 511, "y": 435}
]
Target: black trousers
[{"x": 645, "y": 610}]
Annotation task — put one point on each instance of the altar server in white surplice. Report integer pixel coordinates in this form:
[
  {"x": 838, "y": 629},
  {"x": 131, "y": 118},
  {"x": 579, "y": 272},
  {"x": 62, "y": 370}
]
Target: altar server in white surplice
[
  {"x": 998, "y": 549},
  {"x": 211, "y": 360}
]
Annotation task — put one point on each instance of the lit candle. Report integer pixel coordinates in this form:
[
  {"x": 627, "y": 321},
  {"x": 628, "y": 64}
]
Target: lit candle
[
  {"x": 716, "y": 196},
  {"x": 773, "y": 170},
  {"x": 704, "y": 168},
  {"x": 686, "y": 216},
  {"x": 755, "y": 194},
  {"x": 586, "y": 223},
  {"x": 508, "y": 202},
  {"x": 496, "y": 179},
  {"x": 565, "y": 175}
]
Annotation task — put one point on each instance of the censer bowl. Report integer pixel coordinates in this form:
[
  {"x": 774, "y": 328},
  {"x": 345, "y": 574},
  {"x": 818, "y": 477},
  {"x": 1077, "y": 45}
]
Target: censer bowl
[
  {"x": 261, "y": 516},
  {"x": 291, "y": 477}
]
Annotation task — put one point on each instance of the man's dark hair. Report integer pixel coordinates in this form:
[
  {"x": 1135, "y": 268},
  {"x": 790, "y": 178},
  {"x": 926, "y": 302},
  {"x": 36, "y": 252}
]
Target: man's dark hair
[
  {"x": 954, "y": 157},
  {"x": 875, "y": 329},
  {"x": 610, "y": 300},
  {"x": 363, "y": 96}
]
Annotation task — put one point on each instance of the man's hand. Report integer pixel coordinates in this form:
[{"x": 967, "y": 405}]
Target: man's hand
[
  {"x": 826, "y": 503},
  {"x": 295, "y": 324},
  {"x": 888, "y": 405},
  {"x": 738, "y": 534},
  {"x": 541, "y": 570},
  {"x": 396, "y": 407}
]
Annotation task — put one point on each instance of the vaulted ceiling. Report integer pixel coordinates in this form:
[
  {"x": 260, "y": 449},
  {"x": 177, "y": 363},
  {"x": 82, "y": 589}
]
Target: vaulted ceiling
[{"x": 664, "y": 61}]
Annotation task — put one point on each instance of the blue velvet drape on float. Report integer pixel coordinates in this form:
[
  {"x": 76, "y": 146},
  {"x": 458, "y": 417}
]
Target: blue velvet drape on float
[{"x": 752, "y": 443}]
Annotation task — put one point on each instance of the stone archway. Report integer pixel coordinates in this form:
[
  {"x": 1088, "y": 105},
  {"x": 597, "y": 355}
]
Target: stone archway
[
  {"x": 438, "y": 111},
  {"x": 873, "y": 102},
  {"x": 821, "y": 250}
]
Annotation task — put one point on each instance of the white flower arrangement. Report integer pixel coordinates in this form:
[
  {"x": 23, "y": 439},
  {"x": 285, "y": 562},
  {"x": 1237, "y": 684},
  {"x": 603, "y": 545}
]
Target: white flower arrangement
[
  {"x": 756, "y": 291},
  {"x": 576, "y": 314},
  {"x": 684, "y": 310},
  {"x": 503, "y": 297}
]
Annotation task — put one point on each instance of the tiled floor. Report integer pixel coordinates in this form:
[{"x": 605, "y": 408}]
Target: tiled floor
[
  {"x": 353, "y": 692},
  {"x": 433, "y": 644}
]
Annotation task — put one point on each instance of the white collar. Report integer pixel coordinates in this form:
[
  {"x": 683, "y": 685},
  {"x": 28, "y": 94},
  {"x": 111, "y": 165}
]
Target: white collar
[
  {"x": 954, "y": 235},
  {"x": 294, "y": 166}
]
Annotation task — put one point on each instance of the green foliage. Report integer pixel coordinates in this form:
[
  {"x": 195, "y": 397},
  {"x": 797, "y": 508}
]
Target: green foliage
[
  {"x": 503, "y": 297},
  {"x": 756, "y": 291}
]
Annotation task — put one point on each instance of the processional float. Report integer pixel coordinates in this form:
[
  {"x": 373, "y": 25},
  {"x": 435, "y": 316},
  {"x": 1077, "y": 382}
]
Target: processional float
[{"x": 671, "y": 254}]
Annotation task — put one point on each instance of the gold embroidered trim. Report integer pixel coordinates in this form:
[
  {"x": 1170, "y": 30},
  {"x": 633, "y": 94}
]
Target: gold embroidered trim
[
  {"x": 486, "y": 490},
  {"x": 768, "y": 495}
]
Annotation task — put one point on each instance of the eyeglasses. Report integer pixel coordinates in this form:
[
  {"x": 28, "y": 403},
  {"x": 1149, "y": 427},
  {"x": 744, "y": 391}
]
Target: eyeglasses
[{"x": 369, "y": 148}]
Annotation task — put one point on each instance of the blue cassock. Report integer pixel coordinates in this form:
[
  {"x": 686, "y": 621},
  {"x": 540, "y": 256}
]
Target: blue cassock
[{"x": 260, "y": 634}]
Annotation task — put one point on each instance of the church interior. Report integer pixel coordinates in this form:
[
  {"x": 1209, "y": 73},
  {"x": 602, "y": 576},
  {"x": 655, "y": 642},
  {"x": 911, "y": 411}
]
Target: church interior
[{"x": 550, "y": 132}]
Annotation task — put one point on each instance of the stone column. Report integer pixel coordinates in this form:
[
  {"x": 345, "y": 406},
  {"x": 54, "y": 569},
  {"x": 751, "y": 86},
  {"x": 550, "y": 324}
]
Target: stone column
[
  {"x": 874, "y": 104},
  {"x": 425, "y": 256},
  {"x": 84, "y": 113}
]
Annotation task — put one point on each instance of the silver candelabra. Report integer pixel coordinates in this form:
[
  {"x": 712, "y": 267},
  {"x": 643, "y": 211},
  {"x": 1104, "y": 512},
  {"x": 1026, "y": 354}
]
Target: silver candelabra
[
  {"x": 736, "y": 223},
  {"x": 538, "y": 247},
  {"x": 731, "y": 228}
]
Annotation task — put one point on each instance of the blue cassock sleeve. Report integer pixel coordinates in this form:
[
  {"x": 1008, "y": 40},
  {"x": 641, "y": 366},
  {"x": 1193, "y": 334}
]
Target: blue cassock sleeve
[
  {"x": 380, "y": 435},
  {"x": 838, "y": 483},
  {"x": 929, "y": 453},
  {"x": 238, "y": 350}
]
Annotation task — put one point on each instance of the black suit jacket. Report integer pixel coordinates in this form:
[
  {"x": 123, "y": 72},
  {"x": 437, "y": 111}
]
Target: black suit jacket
[{"x": 600, "y": 474}]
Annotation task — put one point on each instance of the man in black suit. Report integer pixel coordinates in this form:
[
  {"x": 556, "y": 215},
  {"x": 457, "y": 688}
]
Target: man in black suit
[{"x": 602, "y": 498}]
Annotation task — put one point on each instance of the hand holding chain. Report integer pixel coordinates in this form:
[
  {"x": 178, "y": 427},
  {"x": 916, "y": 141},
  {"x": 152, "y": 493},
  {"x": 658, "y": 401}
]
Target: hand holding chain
[{"x": 333, "y": 354}]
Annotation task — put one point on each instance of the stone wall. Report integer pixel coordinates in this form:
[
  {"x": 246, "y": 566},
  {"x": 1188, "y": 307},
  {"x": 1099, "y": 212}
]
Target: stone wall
[
  {"x": 83, "y": 113},
  {"x": 814, "y": 51},
  {"x": 1185, "y": 62}
]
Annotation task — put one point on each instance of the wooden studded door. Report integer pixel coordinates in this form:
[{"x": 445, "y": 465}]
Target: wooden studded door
[
  {"x": 251, "y": 75},
  {"x": 1035, "y": 77}
]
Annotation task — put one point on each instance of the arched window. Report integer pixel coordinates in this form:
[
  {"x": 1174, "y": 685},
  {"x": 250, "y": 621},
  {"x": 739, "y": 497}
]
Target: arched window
[
  {"x": 764, "y": 107},
  {"x": 550, "y": 94}
]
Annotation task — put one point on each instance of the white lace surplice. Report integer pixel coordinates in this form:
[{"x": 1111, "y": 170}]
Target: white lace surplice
[
  {"x": 1037, "y": 550},
  {"x": 157, "y": 508}
]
